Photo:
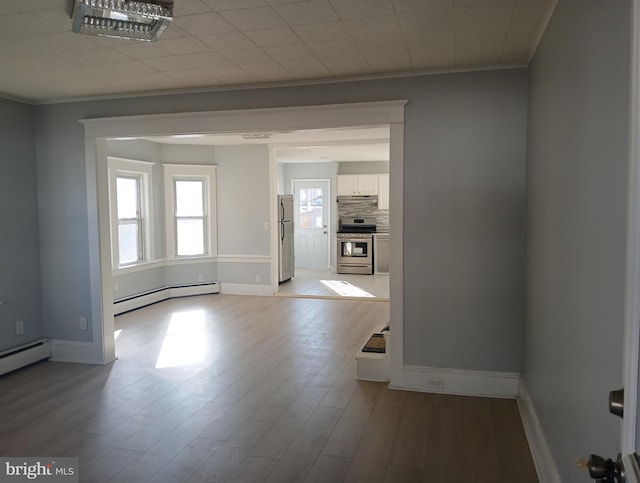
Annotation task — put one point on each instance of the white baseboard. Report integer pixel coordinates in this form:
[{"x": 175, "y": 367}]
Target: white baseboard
[
  {"x": 74, "y": 351},
  {"x": 246, "y": 289},
  {"x": 457, "y": 381},
  {"x": 545, "y": 466}
]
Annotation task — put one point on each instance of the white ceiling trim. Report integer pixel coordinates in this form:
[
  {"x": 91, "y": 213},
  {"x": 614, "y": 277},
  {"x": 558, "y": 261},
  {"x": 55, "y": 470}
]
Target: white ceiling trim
[
  {"x": 266, "y": 85},
  {"x": 243, "y": 120}
]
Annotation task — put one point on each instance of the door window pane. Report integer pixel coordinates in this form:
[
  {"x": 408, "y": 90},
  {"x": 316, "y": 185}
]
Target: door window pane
[{"x": 310, "y": 207}]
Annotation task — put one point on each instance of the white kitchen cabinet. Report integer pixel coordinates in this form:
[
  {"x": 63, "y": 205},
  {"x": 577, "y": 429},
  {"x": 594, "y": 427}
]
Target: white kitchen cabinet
[
  {"x": 357, "y": 184},
  {"x": 383, "y": 191},
  {"x": 346, "y": 184}
]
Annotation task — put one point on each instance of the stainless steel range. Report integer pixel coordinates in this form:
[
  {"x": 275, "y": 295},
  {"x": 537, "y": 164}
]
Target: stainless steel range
[{"x": 355, "y": 245}]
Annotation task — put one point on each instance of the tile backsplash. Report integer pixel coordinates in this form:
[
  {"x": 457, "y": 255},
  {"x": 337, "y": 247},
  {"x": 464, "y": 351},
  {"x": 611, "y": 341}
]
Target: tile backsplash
[{"x": 362, "y": 209}]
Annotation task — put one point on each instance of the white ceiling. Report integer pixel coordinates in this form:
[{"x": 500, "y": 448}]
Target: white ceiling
[{"x": 218, "y": 44}]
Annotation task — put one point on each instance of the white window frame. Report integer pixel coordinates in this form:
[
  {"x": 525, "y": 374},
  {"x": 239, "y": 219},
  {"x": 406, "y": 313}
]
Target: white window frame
[
  {"x": 143, "y": 171},
  {"x": 191, "y": 172}
]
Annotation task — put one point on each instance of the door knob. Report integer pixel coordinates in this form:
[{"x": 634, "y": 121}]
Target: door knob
[
  {"x": 599, "y": 468},
  {"x": 605, "y": 471},
  {"x": 616, "y": 402}
]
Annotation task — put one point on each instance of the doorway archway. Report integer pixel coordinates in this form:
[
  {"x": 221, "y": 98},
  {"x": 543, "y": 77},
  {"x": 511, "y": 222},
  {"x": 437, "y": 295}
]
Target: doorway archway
[{"x": 291, "y": 118}]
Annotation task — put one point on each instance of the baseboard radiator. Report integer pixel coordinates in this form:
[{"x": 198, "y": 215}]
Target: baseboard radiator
[
  {"x": 137, "y": 301},
  {"x": 18, "y": 357}
]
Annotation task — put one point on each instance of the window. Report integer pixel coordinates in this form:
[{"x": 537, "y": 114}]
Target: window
[
  {"x": 190, "y": 219},
  {"x": 130, "y": 220},
  {"x": 310, "y": 207},
  {"x": 129, "y": 190},
  {"x": 191, "y": 212}
]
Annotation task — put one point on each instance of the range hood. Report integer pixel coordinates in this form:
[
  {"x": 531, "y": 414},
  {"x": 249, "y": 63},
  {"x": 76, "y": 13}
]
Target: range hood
[{"x": 373, "y": 199}]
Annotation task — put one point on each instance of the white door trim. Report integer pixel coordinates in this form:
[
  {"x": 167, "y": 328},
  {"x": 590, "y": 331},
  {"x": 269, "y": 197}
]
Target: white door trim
[
  {"x": 241, "y": 120},
  {"x": 396, "y": 253},
  {"x": 632, "y": 288}
]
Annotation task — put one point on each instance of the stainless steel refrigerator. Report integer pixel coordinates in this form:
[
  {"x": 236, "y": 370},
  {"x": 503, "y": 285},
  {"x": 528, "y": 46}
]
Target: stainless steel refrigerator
[{"x": 285, "y": 247}]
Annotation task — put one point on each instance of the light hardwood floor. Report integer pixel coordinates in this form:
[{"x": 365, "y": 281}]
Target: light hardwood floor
[
  {"x": 328, "y": 283},
  {"x": 250, "y": 389}
]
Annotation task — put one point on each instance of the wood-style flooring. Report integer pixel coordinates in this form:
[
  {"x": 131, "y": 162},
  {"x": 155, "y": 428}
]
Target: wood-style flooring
[
  {"x": 226, "y": 388},
  {"x": 311, "y": 283}
]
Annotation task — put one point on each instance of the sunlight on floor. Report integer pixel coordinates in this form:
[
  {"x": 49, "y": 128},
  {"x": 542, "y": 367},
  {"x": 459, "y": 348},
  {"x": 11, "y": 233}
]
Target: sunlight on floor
[
  {"x": 185, "y": 341},
  {"x": 345, "y": 289}
]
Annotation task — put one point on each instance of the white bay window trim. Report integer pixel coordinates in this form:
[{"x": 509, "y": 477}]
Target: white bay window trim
[
  {"x": 141, "y": 170},
  {"x": 190, "y": 172}
]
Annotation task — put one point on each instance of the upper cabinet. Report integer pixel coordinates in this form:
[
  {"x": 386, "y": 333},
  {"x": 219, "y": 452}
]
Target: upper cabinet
[
  {"x": 357, "y": 184},
  {"x": 365, "y": 185},
  {"x": 383, "y": 191}
]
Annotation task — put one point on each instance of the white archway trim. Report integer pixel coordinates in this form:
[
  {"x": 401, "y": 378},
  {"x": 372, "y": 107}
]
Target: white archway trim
[{"x": 267, "y": 119}]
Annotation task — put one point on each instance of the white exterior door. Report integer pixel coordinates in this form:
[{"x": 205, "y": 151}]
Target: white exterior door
[{"x": 311, "y": 223}]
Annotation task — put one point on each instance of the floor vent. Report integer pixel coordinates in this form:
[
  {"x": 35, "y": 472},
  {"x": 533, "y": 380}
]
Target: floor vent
[{"x": 18, "y": 357}]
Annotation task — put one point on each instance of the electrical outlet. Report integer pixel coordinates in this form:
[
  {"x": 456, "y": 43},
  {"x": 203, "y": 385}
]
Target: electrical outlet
[
  {"x": 258, "y": 278},
  {"x": 83, "y": 323},
  {"x": 435, "y": 383},
  {"x": 116, "y": 286},
  {"x": 200, "y": 278},
  {"x": 19, "y": 327},
  {"x": 266, "y": 225}
]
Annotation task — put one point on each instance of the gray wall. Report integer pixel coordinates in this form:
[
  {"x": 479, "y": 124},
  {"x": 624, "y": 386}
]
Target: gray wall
[
  {"x": 19, "y": 249},
  {"x": 243, "y": 205},
  {"x": 464, "y": 203},
  {"x": 244, "y": 200},
  {"x": 363, "y": 167},
  {"x": 464, "y": 198},
  {"x": 576, "y": 188}
]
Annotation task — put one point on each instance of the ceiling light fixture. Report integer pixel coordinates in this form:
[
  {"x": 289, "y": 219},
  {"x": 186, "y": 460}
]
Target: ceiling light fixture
[{"x": 142, "y": 20}]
